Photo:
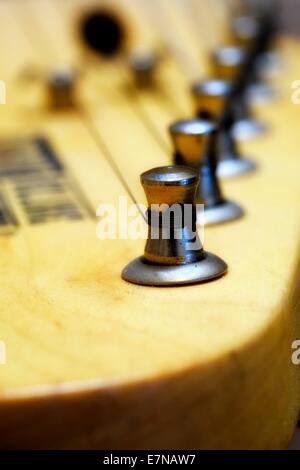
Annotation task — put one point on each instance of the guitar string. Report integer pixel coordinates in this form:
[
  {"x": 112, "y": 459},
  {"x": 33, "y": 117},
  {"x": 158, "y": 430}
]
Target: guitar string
[
  {"x": 88, "y": 121},
  {"x": 143, "y": 117},
  {"x": 82, "y": 113},
  {"x": 138, "y": 108},
  {"x": 219, "y": 15},
  {"x": 176, "y": 50},
  {"x": 164, "y": 28},
  {"x": 135, "y": 9},
  {"x": 201, "y": 27},
  {"x": 200, "y": 21},
  {"x": 94, "y": 132}
]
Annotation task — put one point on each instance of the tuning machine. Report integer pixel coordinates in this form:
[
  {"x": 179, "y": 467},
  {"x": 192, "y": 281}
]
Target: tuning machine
[
  {"x": 173, "y": 254},
  {"x": 195, "y": 145},
  {"x": 62, "y": 84},
  {"x": 213, "y": 101},
  {"x": 249, "y": 32},
  {"x": 232, "y": 63},
  {"x": 59, "y": 82},
  {"x": 143, "y": 62},
  {"x": 257, "y": 23}
]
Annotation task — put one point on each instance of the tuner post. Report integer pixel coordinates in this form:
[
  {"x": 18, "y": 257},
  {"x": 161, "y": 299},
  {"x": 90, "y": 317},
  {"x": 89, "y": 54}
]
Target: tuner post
[
  {"x": 143, "y": 63},
  {"x": 62, "y": 87},
  {"x": 252, "y": 33},
  {"x": 234, "y": 64},
  {"x": 213, "y": 101},
  {"x": 173, "y": 253},
  {"x": 195, "y": 145},
  {"x": 246, "y": 31}
]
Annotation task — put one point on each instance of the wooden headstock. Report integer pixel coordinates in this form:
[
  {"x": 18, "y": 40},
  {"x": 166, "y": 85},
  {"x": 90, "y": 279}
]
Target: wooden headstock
[{"x": 93, "y": 361}]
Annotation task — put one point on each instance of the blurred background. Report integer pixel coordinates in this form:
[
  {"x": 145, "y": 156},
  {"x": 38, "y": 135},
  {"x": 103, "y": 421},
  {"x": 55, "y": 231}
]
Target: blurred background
[{"x": 290, "y": 20}]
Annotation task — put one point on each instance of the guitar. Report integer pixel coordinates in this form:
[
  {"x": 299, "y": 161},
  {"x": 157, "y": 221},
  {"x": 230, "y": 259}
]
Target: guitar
[{"x": 93, "y": 361}]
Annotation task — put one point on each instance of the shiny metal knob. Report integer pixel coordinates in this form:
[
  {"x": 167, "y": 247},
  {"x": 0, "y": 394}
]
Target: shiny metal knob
[
  {"x": 195, "y": 144},
  {"x": 213, "y": 101},
  {"x": 252, "y": 33},
  {"x": 61, "y": 86},
  {"x": 173, "y": 254},
  {"x": 212, "y": 98},
  {"x": 257, "y": 25},
  {"x": 170, "y": 193},
  {"x": 246, "y": 31},
  {"x": 234, "y": 64},
  {"x": 143, "y": 64},
  {"x": 228, "y": 62}
]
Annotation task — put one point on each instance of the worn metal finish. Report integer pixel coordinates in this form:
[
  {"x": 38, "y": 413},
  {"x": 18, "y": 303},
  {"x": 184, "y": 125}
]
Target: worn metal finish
[
  {"x": 227, "y": 62},
  {"x": 261, "y": 93},
  {"x": 234, "y": 64},
  {"x": 61, "y": 83},
  {"x": 212, "y": 99},
  {"x": 143, "y": 63},
  {"x": 195, "y": 144},
  {"x": 143, "y": 273},
  {"x": 254, "y": 33},
  {"x": 245, "y": 30},
  {"x": 222, "y": 213},
  {"x": 233, "y": 167},
  {"x": 172, "y": 236},
  {"x": 246, "y": 129},
  {"x": 173, "y": 253}
]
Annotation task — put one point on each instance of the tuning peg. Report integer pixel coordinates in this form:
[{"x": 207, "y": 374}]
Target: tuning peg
[
  {"x": 60, "y": 84},
  {"x": 195, "y": 145},
  {"x": 231, "y": 63},
  {"x": 173, "y": 254},
  {"x": 143, "y": 62},
  {"x": 246, "y": 31},
  {"x": 213, "y": 101},
  {"x": 261, "y": 18},
  {"x": 249, "y": 32}
]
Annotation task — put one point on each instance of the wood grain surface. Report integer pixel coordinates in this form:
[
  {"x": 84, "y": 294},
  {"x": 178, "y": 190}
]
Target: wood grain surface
[{"x": 94, "y": 362}]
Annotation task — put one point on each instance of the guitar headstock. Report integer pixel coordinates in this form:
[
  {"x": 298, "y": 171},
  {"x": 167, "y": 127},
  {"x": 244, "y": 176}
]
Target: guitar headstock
[{"x": 98, "y": 94}]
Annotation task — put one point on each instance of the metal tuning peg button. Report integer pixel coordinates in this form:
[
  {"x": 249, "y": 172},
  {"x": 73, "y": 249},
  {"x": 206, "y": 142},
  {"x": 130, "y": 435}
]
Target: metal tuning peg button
[
  {"x": 61, "y": 87},
  {"x": 173, "y": 254},
  {"x": 212, "y": 100},
  {"x": 143, "y": 62},
  {"x": 249, "y": 32},
  {"x": 232, "y": 63},
  {"x": 246, "y": 32},
  {"x": 262, "y": 22},
  {"x": 195, "y": 145},
  {"x": 229, "y": 62}
]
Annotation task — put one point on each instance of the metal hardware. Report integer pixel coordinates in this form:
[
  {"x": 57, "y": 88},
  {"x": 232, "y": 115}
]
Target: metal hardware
[
  {"x": 213, "y": 101},
  {"x": 173, "y": 254},
  {"x": 234, "y": 64},
  {"x": 143, "y": 63},
  {"x": 195, "y": 144}
]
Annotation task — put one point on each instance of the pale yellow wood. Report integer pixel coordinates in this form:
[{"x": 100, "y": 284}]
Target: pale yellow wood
[{"x": 94, "y": 362}]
